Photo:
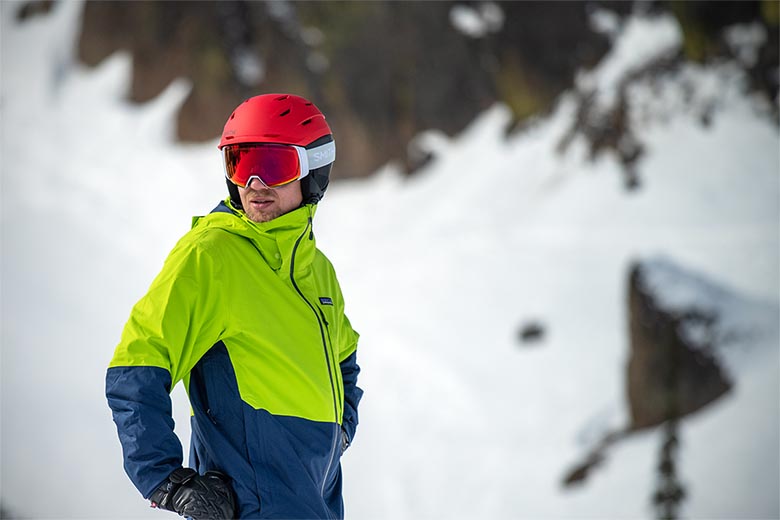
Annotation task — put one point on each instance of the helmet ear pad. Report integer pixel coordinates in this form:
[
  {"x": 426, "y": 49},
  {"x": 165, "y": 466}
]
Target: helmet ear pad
[
  {"x": 313, "y": 186},
  {"x": 235, "y": 198}
]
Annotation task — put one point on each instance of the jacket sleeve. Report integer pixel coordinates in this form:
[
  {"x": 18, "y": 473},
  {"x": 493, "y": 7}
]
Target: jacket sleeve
[
  {"x": 141, "y": 405},
  {"x": 349, "y": 376},
  {"x": 169, "y": 329},
  {"x": 352, "y": 394}
]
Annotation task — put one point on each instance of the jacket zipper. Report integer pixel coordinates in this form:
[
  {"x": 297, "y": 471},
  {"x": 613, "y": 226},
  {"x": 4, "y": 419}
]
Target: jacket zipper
[
  {"x": 325, "y": 348},
  {"x": 319, "y": 322}
]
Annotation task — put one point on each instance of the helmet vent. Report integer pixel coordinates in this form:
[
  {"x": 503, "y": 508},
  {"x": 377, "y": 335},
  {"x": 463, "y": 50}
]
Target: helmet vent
[
  {"x": 304, "y": 123},
  {"x": 282, "y": 98},
  {"x": 284, "y": 113}
]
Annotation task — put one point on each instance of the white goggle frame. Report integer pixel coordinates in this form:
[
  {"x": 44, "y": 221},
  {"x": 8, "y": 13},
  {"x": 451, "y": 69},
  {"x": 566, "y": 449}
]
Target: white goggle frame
[{"x": 308, "y": 159}]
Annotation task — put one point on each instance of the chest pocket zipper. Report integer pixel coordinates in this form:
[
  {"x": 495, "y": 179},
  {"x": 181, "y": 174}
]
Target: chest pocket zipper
[{"x": 334, "y": 358}]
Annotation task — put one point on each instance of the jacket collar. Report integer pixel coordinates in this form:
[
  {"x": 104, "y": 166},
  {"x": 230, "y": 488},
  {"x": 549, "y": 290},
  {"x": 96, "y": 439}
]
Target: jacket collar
[{"x": 285, "y": 242}]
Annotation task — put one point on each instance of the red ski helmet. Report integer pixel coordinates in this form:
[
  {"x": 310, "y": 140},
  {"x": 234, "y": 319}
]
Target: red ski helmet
[{"x": 281, "y": 119}]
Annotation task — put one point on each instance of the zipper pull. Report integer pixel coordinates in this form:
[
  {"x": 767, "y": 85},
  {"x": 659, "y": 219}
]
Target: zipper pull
[{"x": 323, "y": 317}]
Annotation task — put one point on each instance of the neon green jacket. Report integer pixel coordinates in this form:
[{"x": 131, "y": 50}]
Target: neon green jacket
[{"x": 251, "y": 317}]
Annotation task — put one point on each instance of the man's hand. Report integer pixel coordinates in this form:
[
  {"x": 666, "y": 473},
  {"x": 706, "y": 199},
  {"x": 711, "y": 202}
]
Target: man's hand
[{"x": 199, "y": 497}]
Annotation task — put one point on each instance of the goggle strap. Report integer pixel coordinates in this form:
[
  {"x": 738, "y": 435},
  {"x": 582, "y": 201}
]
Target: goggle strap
[{"x": 320, "y": 156}]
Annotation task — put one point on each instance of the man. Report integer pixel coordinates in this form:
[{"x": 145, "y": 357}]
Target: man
[{"x": 249, "y": 314}]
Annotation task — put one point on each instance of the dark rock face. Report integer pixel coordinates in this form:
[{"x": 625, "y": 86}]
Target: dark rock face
[
  {"x": 383, "y": 71},
  {"x": 667, "y": 376}
]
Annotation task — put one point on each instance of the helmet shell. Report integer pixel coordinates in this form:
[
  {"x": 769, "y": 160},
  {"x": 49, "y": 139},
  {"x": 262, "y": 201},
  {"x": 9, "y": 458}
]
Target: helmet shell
[{"x": 275, "y": 118}]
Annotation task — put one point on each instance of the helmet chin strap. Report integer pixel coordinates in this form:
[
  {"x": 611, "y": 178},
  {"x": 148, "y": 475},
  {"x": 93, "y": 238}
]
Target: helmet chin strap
[{"x": 313, "y": 185}]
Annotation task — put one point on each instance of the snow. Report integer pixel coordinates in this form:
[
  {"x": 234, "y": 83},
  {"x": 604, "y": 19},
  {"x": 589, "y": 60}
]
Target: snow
[
  {"x": 744, "y": 330},
  {"x": 745, "y": 41},
  {"x": 249, "y": 67},
  {"x": 478, "y": 21},
  {"x": 439, "y": 270},
  {"x": 642, "y": 41},
  {"x": 605, "y": 22}
]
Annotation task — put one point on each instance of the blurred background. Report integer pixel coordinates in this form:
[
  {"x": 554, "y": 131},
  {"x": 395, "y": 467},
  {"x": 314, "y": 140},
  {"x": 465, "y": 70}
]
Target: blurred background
[
  {"x": 385, "y": 71},
  {"x": 556, "y": 224}
]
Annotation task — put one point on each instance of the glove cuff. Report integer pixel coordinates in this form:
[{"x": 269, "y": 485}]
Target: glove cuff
[{"x": 345, "y": 441}]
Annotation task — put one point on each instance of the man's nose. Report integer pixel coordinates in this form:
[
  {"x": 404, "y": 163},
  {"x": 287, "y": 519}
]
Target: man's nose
[{"x": 256, "y": 184}]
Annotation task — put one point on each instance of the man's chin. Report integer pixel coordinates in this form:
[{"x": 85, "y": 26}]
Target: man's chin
[
  {"x": 261, "y": 212},
  {"x": 261, "y": 216}
]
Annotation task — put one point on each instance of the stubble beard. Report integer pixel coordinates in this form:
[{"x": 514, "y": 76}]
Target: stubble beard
[
  {"x": 270, "y": 212},
  {"x": 263, "y": 215},
  {"x": 278, "y": 201}
]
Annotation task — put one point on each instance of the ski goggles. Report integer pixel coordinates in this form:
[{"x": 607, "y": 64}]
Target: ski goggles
[{"x": 273, "y": 165}]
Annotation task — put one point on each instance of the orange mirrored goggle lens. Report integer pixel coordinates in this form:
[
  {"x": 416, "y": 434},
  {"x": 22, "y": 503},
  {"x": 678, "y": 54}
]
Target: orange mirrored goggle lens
[{"x": 274, "y": 164}]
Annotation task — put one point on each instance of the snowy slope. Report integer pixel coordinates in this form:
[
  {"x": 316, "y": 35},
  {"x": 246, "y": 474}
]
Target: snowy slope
[{"x": 440, "y": 271}]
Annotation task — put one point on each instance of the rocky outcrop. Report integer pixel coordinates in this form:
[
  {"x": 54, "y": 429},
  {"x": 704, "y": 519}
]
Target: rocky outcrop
[
  {"x": 667, "y": 376},
  {"x": 671, "y": 373}
]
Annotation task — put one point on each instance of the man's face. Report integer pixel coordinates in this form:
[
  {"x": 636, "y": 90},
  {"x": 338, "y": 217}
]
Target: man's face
[{"x": 262, "y": 204}]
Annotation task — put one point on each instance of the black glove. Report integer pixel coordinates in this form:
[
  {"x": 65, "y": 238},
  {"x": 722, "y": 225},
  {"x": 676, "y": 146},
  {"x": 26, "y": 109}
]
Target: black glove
[
  {"x": 199, "y": 497},
  {"x": 344, "y": 441}
]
